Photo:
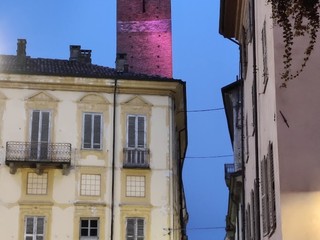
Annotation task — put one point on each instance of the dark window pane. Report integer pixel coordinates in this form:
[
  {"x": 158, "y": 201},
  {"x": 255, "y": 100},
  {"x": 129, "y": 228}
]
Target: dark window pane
[
  {"x": 84, "y": 232},
  {"x": 93, "y": 232},
  {"x": 40, "y": 225},
  {"x": 45, "y": 126},
  {"x": 141, "y": 133},
  {"x": 35, "y": 126},
  {"x": 131, "y": 131},
  {"x": 94, "y": 223},
  {"x": 84, "y": 223},
  {"x": 29, "y": 225},
  {"x": 87, "y": 131},
  {"x": 140, "y": 223},
  {"x": 130, "y": 228}
]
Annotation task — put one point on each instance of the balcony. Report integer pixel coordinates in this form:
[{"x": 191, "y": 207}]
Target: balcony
[
  {"x": 38, "y": 155},
  {"x": 136, "y": 158},
  {"x": 231, "y": 170}
]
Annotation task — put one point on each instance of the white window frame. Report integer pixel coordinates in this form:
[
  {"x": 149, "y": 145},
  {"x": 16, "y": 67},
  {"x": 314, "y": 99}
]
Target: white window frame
[
  {"x": 135, "y": 235},
  {"x": 34, "y": 235},
  {"x": 39, "y": 143},
  {"x": 136, "y": 151},
  {"x": 92, "y": 137},
  {"x": 85, "y": 187},
  {"x": 37, "y": 188},
  {"x": 136, "y": 144},
  {"x": 139, "y": 191}
]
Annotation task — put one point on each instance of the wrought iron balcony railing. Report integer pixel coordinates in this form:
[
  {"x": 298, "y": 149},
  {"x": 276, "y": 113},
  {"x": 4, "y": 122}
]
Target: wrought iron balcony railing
[
  {"x": 136, "y": 157},
  {"x": 31, "y": 154}
]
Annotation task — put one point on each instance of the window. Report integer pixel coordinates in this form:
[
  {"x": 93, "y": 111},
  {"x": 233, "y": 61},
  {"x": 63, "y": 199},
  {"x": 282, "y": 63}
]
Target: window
[
  {"x": 90, "y": 184},
  {"x": 136, "y": 152},
  {"x": 37, "y": 184},
  {"x": 247, "y": 140},
  {"x": 135, "y": 186},
  {"x": 244, "y": 53},
  {"x": 250, "y": 21},
  {"x": 248, "y": 223},
  {"x": 268, "y": 193},
  {"x": 34, "y": 228},
  {"x": 40, "y": 131},
  {"x": 92, "y": 131},
  {"x": 135, "y": 229},
  {"x": 89, "y": 229}
]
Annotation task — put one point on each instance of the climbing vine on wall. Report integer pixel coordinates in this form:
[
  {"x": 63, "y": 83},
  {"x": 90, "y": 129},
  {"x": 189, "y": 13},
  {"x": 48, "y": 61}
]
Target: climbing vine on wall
[{"x": 296, "y": 18}]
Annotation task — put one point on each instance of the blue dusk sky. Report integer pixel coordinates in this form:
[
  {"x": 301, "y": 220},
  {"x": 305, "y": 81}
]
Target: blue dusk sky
[{"x": 201, "y": 57}]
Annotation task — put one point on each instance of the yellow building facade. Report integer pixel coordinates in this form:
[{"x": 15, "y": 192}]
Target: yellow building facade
[{"x": 89, "y": 152}]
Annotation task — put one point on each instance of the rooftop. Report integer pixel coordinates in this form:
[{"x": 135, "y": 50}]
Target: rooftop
[{"x": 79, "y": 65}]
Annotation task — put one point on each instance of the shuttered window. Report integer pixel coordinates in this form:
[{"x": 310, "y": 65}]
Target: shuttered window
[
  {"x": 268, "y": 193},
  {"x": 34, "y": 228},
  {"x": 265, "y": 56},
  {"x": 40, "y": 131},
  {"x": 92, "y": 131},
  {"x": 135, "y": 229},
  {"x": 136, "y": 134},
  {"x": 271, "y": 189}
]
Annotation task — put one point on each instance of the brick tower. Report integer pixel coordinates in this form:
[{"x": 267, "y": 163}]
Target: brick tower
[{"x": 144, "y": 36}]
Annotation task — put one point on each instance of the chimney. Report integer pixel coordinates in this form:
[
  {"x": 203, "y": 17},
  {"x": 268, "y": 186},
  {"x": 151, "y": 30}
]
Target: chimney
[
  {"x": 79, "y": 55},
  {"x": 121, "y": 63},
  {"x": 21, "y": 51}
]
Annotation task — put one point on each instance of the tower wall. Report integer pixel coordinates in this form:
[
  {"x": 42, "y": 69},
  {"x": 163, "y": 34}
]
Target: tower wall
[{"x": 144, "y": 34}]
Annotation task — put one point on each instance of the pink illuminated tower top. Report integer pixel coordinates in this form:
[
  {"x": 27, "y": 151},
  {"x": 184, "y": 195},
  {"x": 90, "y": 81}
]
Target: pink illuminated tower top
[{"x": 144, "y": 36}]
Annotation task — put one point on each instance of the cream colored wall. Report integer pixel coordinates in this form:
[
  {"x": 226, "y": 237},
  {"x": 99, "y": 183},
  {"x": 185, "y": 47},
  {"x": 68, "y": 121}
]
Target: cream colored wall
[
  {"x": 63, "y": 206},
  {"x": 299, "y": 151},
  {"x": 301, "y": 215},
  {"x": 267, "y": 109}
]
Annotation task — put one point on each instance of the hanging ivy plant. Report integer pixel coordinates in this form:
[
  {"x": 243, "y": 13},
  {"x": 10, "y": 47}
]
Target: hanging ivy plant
[{"x": 296, "y": 18}]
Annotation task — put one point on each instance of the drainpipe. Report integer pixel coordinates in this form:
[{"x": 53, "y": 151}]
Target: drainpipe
[
  {"x": 113, "y": 157},
  {"x": 256, "y": 116}
]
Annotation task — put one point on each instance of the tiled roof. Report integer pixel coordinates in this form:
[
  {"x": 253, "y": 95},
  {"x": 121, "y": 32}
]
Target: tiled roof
[{"x": 58, "y": 67}]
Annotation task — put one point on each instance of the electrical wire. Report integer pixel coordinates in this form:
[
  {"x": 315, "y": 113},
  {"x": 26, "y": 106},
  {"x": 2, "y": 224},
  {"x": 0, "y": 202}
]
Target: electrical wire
[
  {"x": 212, "y": 157},
  {"x": 205, "y": 110},
  {"x": 206, "y": 228}
]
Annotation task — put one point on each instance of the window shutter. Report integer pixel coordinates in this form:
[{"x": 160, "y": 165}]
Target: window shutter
[
  {"x": 253, "y": 219},
  {"x": 265, "y": 54},
  {"x": 97, "y": 132},
  {"x": 264, "y": 199},
  {"x": 247, "y": 225},
  {"x": 271, "y": 188},
  {"x": 35, "y": 126},
  {"x": 141, "y": 132},
  {"x": 130, "y": 229},
  {"x": 87, "y": 131},
  {"x": 256, "y": 211},
  {"x": 131, "y": 131},
  {"x": 45, "y": 119}
]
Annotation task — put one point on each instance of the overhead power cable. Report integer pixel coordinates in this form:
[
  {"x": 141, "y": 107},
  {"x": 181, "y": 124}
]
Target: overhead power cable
[
  {"x": 205, "y": 110},
  {"x": 216, "y": 156}
]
